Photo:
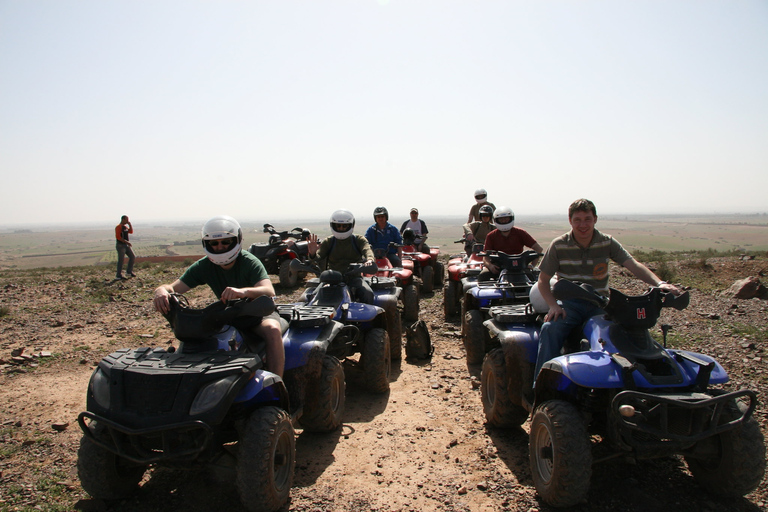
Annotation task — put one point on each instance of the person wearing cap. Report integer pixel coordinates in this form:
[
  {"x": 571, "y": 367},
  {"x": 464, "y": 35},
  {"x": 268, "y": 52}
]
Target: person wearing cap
[
  {"x": 419, "y": 227},
  {"x": 481, "y": 199}
]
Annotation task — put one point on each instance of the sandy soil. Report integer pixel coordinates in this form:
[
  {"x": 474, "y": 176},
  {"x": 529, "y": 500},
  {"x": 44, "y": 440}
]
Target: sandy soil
[{"x": 424, "y": 446}]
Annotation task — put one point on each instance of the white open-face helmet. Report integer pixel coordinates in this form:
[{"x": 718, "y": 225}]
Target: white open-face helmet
[
  {"x": 504, "y": 218},
  {"x": 342, "y": 224},
  {"x": 481, "y": 195},
  {"x": 537, "y": 301},
  {"x": 222, "y": 239}
]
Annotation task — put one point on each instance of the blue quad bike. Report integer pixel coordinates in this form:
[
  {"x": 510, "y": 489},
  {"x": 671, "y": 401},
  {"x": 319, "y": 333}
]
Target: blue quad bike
[
  {"x": 372, "y": 330},
  {"x": 211, "y": 404},
  {"x": 513, "y": 286},
  {"x": 615, "y": 383}
]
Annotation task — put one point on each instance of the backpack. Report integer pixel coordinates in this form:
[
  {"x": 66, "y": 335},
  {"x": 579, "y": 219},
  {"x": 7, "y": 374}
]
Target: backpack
[{"x": 418, "y": 342}]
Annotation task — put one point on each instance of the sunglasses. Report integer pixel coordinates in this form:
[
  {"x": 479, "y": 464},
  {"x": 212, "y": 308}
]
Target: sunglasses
[{"x": 216, "y": 243}]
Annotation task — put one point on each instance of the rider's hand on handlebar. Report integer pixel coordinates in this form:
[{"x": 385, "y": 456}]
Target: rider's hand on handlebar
[
  {"x": 230, "y": 293},
  {"x": 674, "y": 290},
  {"x": 161, "y": 300}
]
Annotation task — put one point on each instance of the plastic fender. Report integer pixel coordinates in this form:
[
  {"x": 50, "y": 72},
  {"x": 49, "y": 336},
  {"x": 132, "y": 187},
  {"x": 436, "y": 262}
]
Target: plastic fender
[
  {"x": 265, "y": 387},
  {"x": 408, "y": 264},
  {"x": 299, "y": 344},
  {"x": 359, "y": 312},
  {"x": 380, "y": 296},
  {"x": 521, "y": 336},
  {"x": 434, "y": 253},
  {"x": 691, "y": 369},
  {"x": 596, "y": 330},
  {"x": 588, "y": 369}
]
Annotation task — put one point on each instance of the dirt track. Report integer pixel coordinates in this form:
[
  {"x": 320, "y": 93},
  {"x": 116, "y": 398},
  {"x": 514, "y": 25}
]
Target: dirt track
[{"x": 422, "y": 447}]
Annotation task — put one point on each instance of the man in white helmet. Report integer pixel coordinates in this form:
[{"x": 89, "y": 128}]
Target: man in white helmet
[
  {"x": 481, "y": 199},
  {"x": 505, "y": 238},
  {"x": 343, "y": 248},
  {"x": 231, "y": 274}
]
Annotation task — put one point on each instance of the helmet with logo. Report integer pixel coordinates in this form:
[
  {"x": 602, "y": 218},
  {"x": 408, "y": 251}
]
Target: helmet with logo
[
  {"x": 342, "y": 224},
  {"x": 222, "y": 239},
  {"x": 504, "y": 218},
  {"x": 480, "y": 195},
  {"x": 380, "y": 210}
]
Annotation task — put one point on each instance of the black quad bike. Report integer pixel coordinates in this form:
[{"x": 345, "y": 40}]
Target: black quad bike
[
  {"x": 618, "y": 393},
  {"x": 278, "y": 252},
  {"x": 209, "y": 404}
]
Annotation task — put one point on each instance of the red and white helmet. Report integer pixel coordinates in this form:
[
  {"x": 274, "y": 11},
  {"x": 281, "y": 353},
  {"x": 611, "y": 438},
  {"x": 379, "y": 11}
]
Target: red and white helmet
[
  {"x": 222, "y": 239},
  {"x": 342, "y": 224},
  {"x": 504, "y": 218}
]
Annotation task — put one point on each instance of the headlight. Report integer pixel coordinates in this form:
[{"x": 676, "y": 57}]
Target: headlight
[
  {"x": 211, "y": 395},
  {"x": 100, "y": 388}
]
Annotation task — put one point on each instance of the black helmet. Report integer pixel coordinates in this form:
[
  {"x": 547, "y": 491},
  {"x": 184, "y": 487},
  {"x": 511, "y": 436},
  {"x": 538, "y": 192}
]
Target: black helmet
[
  {"x": 485, "y": 210},
  {"x": 409, "y": 236},
  {"x": 380, "y": 210}
]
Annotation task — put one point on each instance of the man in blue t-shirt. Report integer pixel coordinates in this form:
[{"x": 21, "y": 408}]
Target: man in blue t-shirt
[
  {"x": 231, "y": 274},
  {"x": 382, "y": 233}
]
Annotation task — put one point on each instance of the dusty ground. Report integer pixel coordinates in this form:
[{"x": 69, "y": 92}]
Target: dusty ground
[{"x": 422, "y": 447}]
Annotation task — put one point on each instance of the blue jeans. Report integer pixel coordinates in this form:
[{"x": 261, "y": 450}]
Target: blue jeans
[
  {"x": 122, "y": 251},
  {"x": 394, "y": 259},
  {"x": 553, "y": 334}
]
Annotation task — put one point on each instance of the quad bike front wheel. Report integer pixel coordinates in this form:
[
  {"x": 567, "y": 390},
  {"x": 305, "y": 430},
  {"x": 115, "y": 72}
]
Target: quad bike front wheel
[
  {"x": 103, "y": 474},
  {"x": 494, "y": 390},
  {"x": 325, "y": 401},
  {"x": 265, "y": 460},
  {"x": 376, "y": 361},
  {"x": 730, "y": 464},
  {"x": 560, "y": 453}
]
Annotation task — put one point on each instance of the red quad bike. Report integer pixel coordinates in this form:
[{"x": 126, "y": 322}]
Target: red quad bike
[
  {"x": 426, "y": 266},
  {"x": 405, "y": 281},
  {"x": 277, "y": 253},
  {"x": 462, "y": 274}
]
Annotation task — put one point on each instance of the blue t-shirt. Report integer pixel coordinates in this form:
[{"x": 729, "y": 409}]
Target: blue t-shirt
[{"x": 380, "y": 238}]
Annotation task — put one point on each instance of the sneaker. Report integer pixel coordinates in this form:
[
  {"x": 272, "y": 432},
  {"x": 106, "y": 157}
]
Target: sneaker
[
  {"x": 131, "y": 275},
  {"x": 119, "y": 277}
]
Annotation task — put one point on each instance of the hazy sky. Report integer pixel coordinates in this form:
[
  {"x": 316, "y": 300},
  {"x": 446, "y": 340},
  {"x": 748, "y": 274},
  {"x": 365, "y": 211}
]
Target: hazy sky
[{"x": 280, "y": 109}]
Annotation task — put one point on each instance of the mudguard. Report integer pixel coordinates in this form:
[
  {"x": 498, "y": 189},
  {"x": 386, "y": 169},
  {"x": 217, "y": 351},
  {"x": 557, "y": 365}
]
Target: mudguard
[
  {"x": 264, "y": 388},
  {"x": 522, "y": 337},
  {"x": 300, "y": 342},
  {"x": 360, "y": 312}
]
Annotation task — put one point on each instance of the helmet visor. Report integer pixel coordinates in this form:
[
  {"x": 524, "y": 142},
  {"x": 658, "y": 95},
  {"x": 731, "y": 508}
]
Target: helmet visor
[
  {"x": 504, "y": 220},
  {"x": 341, "y": 227},
  {"x": 220, "y": 245}
]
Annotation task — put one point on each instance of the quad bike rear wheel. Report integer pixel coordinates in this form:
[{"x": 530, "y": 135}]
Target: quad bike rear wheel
[
  {"x": 103, "y": 474},
  {"x": 411, "y": 303},
  {"x": 451, "y": 303},
  {"x": 730, "y": 464},
  {"x": 427, "y": 279},
  {"x": 376, "y": 361},
  {"x": 266, "y": 459},
  {"x": 394, "y": 326},
  {"x": 439, "y": 271},
  {"x": 560, "y": 453},
  {"x": 325, "y": 401},
  {"x": 474, "y": 336},
  {"x": 494, "y": 390},
  {"x": 288, "y": 278}
]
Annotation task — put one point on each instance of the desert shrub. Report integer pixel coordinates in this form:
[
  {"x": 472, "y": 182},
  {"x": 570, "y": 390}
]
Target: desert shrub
[{"x": 4, "y": 311}]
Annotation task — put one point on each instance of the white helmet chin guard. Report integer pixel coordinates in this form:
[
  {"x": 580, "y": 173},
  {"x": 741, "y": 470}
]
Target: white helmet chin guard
[
  {"x": 342, "y": 224},
  {"x": 504, "y": 218},
  {"x": 217, "y": 230}
]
